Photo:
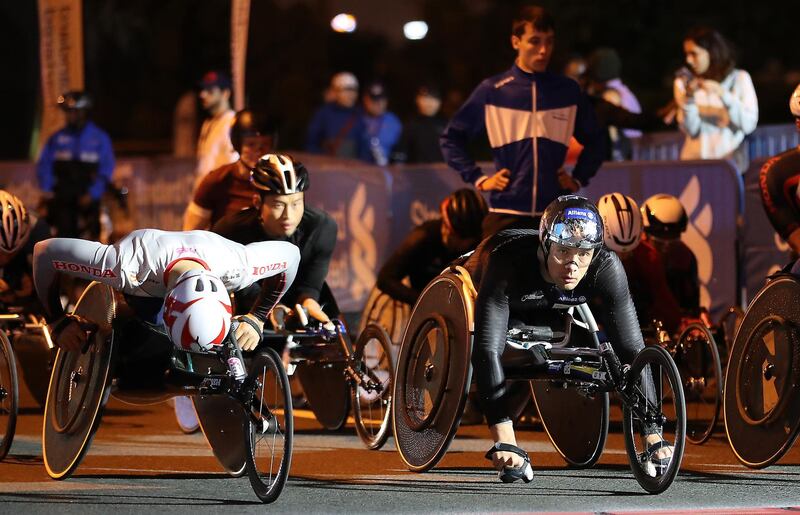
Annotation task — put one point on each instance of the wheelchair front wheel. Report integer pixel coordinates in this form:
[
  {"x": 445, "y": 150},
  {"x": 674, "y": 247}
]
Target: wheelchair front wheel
[
  {"x": 9, "y": 395},
  {"x": 271, "y": 430},
  {"x": 699, "y": 365},
  {"x": 663, "y": 407},
  {"x": 372, "y": 406}
]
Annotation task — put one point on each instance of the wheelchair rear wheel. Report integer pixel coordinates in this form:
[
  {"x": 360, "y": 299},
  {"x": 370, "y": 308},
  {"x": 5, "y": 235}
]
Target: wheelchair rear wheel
[
  {"x": 372, "y": 408},
  {"x": 79, "y": 387},
  {"x": 699, "y": 365},
  {"x": 271, "y": 430},
  {"x": 663, "y": 407},
  {"x": 761, "y": 400},
  {"x": 9, "y": 395},
  {"x": 433, "y": 373}
]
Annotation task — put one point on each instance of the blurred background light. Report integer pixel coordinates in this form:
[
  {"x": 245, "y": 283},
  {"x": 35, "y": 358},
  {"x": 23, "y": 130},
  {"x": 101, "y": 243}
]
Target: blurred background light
[
  {"x": 415, "y": 29},
  {"x": 343, "y": 23}
]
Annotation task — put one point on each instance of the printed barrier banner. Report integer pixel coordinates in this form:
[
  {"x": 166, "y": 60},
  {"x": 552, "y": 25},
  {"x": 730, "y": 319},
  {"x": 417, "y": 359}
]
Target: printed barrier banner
[{"x": 375, "y": 208}]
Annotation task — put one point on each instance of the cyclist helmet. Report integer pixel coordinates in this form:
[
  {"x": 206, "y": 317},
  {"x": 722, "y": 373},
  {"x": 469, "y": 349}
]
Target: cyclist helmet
[
  {"x": 16, "y": 224},
  {"x": 794, "y": 102},
  {"x": 464, "y": 210},
  {"x": 572, "y": 221},
  {"x": 197, "y": 311},
  {"x": 279, "y": 174},
  {"x": 246, "y": 125},
  {"x": 75, "y": 100},
  {"x": 663, "y": 216},
  {"x": 622, "y": 222}
]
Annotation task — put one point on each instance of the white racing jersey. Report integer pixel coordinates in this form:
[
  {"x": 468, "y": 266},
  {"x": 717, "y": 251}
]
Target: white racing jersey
[{"x": 139, "y": 263}]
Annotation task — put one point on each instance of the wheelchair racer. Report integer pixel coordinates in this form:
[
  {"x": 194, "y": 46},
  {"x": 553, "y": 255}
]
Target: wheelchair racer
[
  {"x": 526, "y": 275},
  {"x": 779, "y": 180},
  {"x": 20, "y": 230},
  {"x": 181, "y": 278}
]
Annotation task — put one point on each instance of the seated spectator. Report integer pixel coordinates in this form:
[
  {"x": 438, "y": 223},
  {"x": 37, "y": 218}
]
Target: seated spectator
[
  {"x": 336, "y": 127},
  {"x": 227, "y": 189},
  {"x": 716, "y": 103},
  {"x": 420, "y": 140},
  {"x": 381, "y": 128}
]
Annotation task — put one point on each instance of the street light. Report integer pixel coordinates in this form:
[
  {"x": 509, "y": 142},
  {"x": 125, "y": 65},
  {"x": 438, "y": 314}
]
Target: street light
[
  {"x": 343, "y": 22},
  {"x": 415, "y": 30}
]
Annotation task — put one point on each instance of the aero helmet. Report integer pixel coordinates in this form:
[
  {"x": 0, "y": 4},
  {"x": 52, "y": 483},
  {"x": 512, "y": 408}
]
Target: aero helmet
[
  {"x": 16, "y": 225},
  {"x": 464, "y": 210},
  {"x": 663, "y": 216},
  {"x": 197, "y": 311},
  {"x": 572, "y": 221},
  {"x": 279, "y": 174},
  {"x": 622, "y": 222},
  {"x": 794, "y": 102}
]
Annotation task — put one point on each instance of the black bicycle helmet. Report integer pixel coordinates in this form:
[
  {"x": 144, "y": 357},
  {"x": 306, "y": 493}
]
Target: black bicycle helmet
[
  {"x": 663, "y": 216},
  {"x": 464, "y": 210},
  {"x": 245, "y": 125},
  {"x": 279, "y": 174},
  {"x": 572, "y": 221},
  {"x": 79, "y": 100}
]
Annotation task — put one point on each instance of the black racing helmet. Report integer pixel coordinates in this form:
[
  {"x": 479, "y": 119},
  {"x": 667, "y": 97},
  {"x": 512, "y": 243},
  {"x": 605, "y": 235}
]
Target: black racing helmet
[
  {"x": 572, "y": 221},
  {"x": 663, "y": 216},
  {"x": 79, "y": 100},
  {"x": 465, "y": 210},
  {"x": 279, "y": 174},
  {"x": 245, "y": 125}
]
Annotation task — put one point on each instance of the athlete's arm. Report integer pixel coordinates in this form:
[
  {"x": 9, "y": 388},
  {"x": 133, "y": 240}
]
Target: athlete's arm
[
  {"x": 196, "y": 218},
  {"x": 313, "y": 272},
  {"x": 399, "y": 266}
]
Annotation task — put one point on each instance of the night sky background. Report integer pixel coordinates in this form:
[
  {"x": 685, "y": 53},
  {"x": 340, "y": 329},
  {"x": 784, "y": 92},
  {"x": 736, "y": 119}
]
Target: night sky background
[{"x": 141, "y": 56}]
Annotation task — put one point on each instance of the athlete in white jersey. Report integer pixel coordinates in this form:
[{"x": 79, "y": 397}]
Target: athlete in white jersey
[{"x": 147, "y": 262}]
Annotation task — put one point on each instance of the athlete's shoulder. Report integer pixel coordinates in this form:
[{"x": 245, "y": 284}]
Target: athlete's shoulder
[{"x": 319, "y": 219}]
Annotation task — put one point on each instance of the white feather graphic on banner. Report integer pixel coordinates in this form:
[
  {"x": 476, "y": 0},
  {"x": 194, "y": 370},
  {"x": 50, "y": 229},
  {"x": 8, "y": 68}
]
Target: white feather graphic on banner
[
  {"x": 699, "y": 227},
  {"x": 363, "y": 250}
]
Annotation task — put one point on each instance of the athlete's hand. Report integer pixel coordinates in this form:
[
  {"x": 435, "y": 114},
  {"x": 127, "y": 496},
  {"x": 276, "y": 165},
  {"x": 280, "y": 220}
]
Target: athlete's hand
[
  {"x": 315, "y": 311},
  {"x": 496, "y": 182},
  {"x": 794, "y": 241},
  {"x": 71, "y": 338},
  {"x": 566, "y": 182},
  {"x": 246, "y": 335}
]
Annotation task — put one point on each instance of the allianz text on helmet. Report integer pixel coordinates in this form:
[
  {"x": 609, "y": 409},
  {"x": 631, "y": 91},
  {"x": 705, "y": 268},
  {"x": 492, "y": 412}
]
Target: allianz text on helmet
[{"x": 571, "y": 221}]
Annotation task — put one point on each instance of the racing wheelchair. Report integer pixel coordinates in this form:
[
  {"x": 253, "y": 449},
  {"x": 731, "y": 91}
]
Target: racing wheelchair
[
  {"x": 570, "y": 385},
  {"x": 246, "y": 415},
  {"x": 23, "y": 339},
  {"x": 336, "y": 373},
  {"x": 761, "y": 400}
]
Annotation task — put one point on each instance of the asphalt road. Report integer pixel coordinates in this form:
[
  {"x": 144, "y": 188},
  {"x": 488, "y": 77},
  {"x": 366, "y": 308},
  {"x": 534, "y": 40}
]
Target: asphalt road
[{"x": 140, "y": 462}]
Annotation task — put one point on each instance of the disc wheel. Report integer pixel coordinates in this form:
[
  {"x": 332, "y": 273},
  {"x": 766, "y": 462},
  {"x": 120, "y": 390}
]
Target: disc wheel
[
  {"x": 372, "y": 405},
  {"x": 762, "y": 383},
  {"x": 697, "y": 358},
  {"x": 656, "y": 400},
  {"x": 9, "y": 395},
  {"x": 271, "y": 430}
]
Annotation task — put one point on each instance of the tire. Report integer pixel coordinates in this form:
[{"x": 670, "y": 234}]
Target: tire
[
  {"x": 697, "y": 358},
  {"x": 9, "y": 395},
  {"x": 270, "y": 409},
  {"x": 670, "y": 404},
  {"x": 372, "y": 410}
]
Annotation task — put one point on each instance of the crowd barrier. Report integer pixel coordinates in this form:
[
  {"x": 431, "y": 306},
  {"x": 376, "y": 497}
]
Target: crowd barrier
[{"x": 376, "y": 207}]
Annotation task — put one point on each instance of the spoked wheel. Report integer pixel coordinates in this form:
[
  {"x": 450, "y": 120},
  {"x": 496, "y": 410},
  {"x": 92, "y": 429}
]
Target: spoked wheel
[
  {"x": 272, "y": 427},
  {"x": 9, "y": 395},
  {"x": 699, "y": 365},
  {"x": 372, "y": 400},
  {"x": 654, "y": 400}
]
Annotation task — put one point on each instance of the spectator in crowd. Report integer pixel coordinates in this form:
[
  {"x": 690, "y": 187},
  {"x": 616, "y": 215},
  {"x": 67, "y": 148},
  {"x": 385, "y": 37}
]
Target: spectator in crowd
[
  {"x": 227, "y": 189},
  {"x": 529, "y": 116},
  {"x": 74, "y": 169},
  {"x": 716, "y": 103},
  {"x": 575, "y": 67},
  {"x": 381, "y": 128},
  {"x": 420, "y": 140},
  {"x": 336, "y": 127},
  {"x": 214, "y": 147}
]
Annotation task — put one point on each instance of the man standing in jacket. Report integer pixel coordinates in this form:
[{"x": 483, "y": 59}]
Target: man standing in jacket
[{"x": 529, "y": 116}]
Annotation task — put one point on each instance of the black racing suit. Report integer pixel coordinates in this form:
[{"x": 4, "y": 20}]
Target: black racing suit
[
  {"x": 315, "y": 236},
  {"x": 506, "y": 273}
]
